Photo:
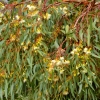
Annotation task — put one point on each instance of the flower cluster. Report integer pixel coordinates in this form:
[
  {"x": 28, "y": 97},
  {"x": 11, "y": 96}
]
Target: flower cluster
[
  {"x": 81, "y": 51},
  {"x": 64, "y": 9},
  {"x": 58, "y": 62},
  {"x": 86, "y": 50},
  {"x": 83, "y": 54},
  {"x": 75, "y": 51},
  {"x": 25, "y": 45},
  {"x": 80, "y": 68},
  {"x": 12, "y": 37},
  {"x": 31, "y": 7},
  {"x": 32, "y": 10},
  {"x": 47, "y": 16}
]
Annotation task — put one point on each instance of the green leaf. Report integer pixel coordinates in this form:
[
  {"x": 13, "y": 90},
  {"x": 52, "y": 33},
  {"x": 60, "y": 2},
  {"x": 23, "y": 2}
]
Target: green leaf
[
  {"x": 18, "y": 59},
  {"x": 8, "y": 69},
  {"x": 34, "y": 68},
  {"x": 1, "y": 27},
  {"x": 1, "y": 52},
  {"x": 94, "y": 24},
  {"x": 94, "y": 55},
  {"x": 12, "y": 91},
  {"x": 85, "y": 95},
  {"x": 1, "y": 93},
  {"x": 19, "y": 87},
  {"x": 80, "y": 88},
  {"x": 92, "y": 94},
  {"x": 74, "y": 36},
  {"x": 56, "y": 44},
  {"x": 30, "y": 61},
  {"x": 81, "y": 34},
  {"x": 67, "y": 28},
  {"x": 71, "y": 89},
  {"x": 41, "y": 52},
  {"x": 63, "y": 31},
  {"x": 88, "y": 35},
  {"x": 6, "y": 88},
  {"x": 1, "y": 43},
  {"x": 97, "y": 46}
]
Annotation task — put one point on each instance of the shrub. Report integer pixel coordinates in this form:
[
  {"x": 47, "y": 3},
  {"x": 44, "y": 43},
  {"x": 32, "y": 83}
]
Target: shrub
[{"x": 49, "y": 50}]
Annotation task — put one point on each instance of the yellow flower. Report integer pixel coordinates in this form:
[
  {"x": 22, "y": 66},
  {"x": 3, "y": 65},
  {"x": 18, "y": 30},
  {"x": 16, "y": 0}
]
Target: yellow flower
[
  {"x": 2, "y": 5},
  {"x": 51, "y": 65},
  {"x": 31, "y": 7},
  {"x": 23, "y": 73},
  {"x": 17, "y": 17},
  {"x": 25, "y": 48},
  {"x": 62, "y": 58},
  {"x": 56, "y": 78},
  {"x": 12, "y": 37},
  {"x": 38, "y": 30},
  {"x": 61, "y": 71},
  {"x": 78, "y": 66},
  {"x": 38, "y": 41},
  {"x": 50, "y": 69},
  {"x": 22, "y": 21},
  {"x": 24, "y": 80},
  {"x": 74, "y": 72},
  {"x": 66, "y": 62},
  {"x": 36, "y": 48},
  {"x": 74, "y": 51},
  {"x": 84, "y": 71},
  {"x": 1, "y": 14},
  {"x": 34, "y": 13},
  {"x": 87, "y": 51},
  {"x": 15, "y": 22},
  {"x": 65, "y": 92},
  {"x": 47, "y": 16},
  {"x": 53, "y": 62},
  {"x": 58, "y": 63},
  {"x": 78, "y": 73},
  {"x": 22, "y": 43},
  {"x": 64, "y": 10},
  {"x": 39, "y": 19}
]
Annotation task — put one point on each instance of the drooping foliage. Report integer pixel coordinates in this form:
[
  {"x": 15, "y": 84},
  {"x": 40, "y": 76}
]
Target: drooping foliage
[{"x": 49, "y": 50}]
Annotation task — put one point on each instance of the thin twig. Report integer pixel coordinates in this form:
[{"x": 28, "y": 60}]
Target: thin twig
[{"x": 83, "y": 14}]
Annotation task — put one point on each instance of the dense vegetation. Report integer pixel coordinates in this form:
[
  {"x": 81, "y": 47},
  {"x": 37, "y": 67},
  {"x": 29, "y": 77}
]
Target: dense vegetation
[{"x": 49, "y": 50}]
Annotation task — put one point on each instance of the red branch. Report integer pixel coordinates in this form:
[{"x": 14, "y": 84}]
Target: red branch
[
  {"x": 44, "y": 5},
  {"x": 84, "y": 13},
  {"x": 12, "y": 6}
]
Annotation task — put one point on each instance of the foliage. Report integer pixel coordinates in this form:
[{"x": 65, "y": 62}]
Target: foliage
[{"x": 49, "y": 50}]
